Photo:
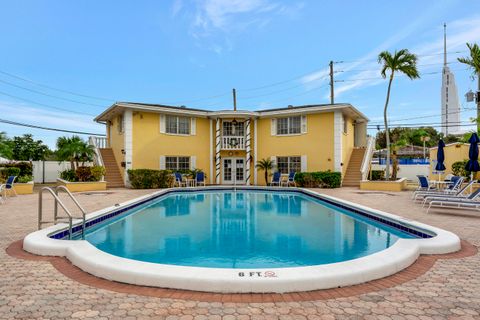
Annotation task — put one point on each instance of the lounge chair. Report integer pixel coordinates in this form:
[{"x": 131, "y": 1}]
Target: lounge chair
[
  {"x": 179, "y": 180},
  {"x": 276, "y": 178},
  {"x": 423, "y": 185},
  {"x": 451, "y": 189},
  {"x": 461, "y": 193},
  {"x": 290, "y": 180},
  {"x": 8, "y": 186},
  {"x": 470, "y": 202},
  {"x": 200, "y": 179}
]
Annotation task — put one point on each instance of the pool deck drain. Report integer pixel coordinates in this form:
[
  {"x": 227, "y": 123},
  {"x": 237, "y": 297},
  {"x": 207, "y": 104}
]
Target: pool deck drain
[{"x": 418, "y": 268}]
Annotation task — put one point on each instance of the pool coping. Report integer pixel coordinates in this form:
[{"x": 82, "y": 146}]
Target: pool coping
[{"x": 279, "y": 280}]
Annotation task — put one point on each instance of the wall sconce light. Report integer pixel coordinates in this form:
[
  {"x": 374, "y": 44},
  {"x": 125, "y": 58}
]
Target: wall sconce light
[{"x": 123, "y": 151}]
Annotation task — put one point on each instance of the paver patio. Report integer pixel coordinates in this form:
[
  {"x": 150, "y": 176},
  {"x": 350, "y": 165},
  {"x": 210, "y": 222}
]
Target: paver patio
[{"x": 36, "y": 290}]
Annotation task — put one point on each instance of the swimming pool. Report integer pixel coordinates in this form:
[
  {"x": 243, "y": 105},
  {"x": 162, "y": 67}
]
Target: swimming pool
[{"x": 243, "y": 240}]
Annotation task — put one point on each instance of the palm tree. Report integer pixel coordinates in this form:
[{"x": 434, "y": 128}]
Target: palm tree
[
  {"x": 474, "y": 63},
  {"x": 75, "y": 150},
  {"x": 265, "y": 165},
  {"x": 403, "y": 62}
]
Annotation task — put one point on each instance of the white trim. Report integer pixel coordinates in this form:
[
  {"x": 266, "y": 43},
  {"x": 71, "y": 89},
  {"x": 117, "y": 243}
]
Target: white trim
[
  {"x": 273, "y": 127},
  {"x": 193, "y": 126},
  {"x": 303, "y": 163},
  {"x": 211, "y": 151},
  {"x": 303, "y": 124},
  {"x": 128, "y": 143},
  {"x": 193, "y": 162},
  {"x": 375, "y": 266},
  {"x": 255, "y": 175},
  {"x": 337, "y": 140},
  {"x": 162, "y": 163},
  {"x": 162, "y": 124}
]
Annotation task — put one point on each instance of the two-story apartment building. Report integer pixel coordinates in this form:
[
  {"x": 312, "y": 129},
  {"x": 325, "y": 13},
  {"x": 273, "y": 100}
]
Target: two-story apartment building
[{"x": 227, "y": 144}]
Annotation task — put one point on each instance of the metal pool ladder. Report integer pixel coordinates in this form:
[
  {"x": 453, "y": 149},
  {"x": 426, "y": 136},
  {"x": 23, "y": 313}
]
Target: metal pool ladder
[{"x": 54, "y": 192}]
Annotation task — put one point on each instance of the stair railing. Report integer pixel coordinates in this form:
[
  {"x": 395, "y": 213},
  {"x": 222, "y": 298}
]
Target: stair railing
[
  {"x": 367, "y": 157},
  {"x": 97, "y": 143}
]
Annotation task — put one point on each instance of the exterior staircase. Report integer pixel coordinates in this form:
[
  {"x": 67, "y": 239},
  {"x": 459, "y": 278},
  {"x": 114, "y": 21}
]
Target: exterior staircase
[
  {"x": 353, "y": 174},
  {"x": 112, "y": 173}
]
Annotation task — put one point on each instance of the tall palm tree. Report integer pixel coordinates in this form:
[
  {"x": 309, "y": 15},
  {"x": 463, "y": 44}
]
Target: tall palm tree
[
  {"x": 265, "y": 165},
  {"x": 402, "y": 62},
  {"x": 474, "y": 63}
]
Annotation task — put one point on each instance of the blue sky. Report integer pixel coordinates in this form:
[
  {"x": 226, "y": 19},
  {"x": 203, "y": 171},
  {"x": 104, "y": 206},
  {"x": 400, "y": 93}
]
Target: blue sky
[{"x": 193, "y": 52}]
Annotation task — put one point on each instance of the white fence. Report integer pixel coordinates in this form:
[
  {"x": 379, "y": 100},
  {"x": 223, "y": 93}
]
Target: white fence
[
  {"x": 408, "y": 171},
  {"x": 49, "y": 171}
]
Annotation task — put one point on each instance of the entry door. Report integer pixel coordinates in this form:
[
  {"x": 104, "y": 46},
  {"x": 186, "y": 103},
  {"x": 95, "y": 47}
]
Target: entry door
[{"x": 233, "y": 170}]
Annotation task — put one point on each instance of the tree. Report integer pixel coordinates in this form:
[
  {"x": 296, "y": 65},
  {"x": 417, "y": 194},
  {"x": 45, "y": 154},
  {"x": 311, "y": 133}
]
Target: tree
[
  {"x": 5, "y": 146},
  {"x": 403, "y": 62},
  {"x": 474, "y": 63},
  {"x": 75, "y": 150},
  {"x": 25, "y": 148},
  {"x": 265, "y": 165}
]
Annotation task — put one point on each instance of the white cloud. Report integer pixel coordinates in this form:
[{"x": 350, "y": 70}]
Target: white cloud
[{"x": 177, "y": 7}]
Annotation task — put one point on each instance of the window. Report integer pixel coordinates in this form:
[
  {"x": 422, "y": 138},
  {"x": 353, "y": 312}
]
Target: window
[
  {"x": 290, "y": 125},
  {"x": 177, "y": 163},
  {"x": 286, "y": 165},
  {"x": 120, "y": 127},
  {"x": 345, "y": 125},
  {"x": 228, "y": 129},
  {"x": 177, "y": 125}
]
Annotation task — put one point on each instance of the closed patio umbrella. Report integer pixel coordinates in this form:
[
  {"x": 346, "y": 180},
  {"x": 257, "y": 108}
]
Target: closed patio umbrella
[
  {"x": 472, "y": 164},
  {"x": 440, "y": 158}
]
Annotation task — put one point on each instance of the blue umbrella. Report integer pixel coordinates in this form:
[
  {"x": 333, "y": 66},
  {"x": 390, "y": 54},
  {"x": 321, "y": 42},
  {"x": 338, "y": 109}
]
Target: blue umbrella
[
  {"x": 472, "y": 164},
  {"x": 440, "y": 156}
]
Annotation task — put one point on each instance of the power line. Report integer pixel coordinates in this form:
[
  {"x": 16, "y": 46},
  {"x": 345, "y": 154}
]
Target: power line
[
  {"x": 380, "y": 78},
  {"x": 49, "y": 95},
  {"x": 14, "y": 123},
  {"x": 418, "y": 55},
  {"x": 55, "y": 89},
  {"x": 418, "y": 65},
  {"x": 426, "y": 116},
  {"x": 44, "y": 105}
]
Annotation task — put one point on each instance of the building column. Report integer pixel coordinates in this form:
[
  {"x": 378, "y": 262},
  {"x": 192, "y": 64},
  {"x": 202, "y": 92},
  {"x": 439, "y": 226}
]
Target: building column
[
  {"x": 210, "y": 158},
  {"x": 337, "y": 141},
  {"x": 128, "y": 143},
  {"x": 217, "y": 151},
  {"x": 248, "y": 152},
  {"x": 255, "y": 171}
]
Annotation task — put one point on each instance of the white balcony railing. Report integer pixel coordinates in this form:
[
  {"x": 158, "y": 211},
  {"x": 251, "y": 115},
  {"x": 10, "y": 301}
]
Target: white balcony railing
[{"x": 233, "y": 142}]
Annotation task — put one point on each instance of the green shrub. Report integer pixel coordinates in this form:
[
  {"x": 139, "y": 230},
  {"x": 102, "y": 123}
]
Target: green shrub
[
  {"x": 69, "y": 175},
  {"x": 458, "y": 169},
  {"x": 97, "y": 172},
  {"x": 25, "y": 167},
  {"x": 24, "y": 179},
  {"x": 84, "y": 174},
  {"x": 150, "y": 179},
  {"x": 377, "y": 175},
  {"x": 9, "y": 171},
  {"x": 322, "y": 179}
]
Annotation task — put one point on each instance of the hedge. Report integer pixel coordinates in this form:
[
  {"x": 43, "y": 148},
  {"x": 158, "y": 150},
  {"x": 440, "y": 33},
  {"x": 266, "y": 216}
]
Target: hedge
[
  {"x": 150, "y": 179},
  {"x": 322, "y": 179},
  {"x": 83, "y": 174},
  {"x": 377, "y": 175}
]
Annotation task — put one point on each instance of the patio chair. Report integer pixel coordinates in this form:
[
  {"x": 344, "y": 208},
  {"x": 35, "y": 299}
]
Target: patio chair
[
  {"x": 423, "y": 185},
  {"x": 200, "y": 179},
  {"x": 290, "y": 180},
  {"x": 179, "y": 180},
  {"x": 8, "y": 186},
  {"x": 276, "y": 178},
  {"x": 461, "y": 194},
  {"x": 452, "y": 189},
  {"x": 470, "y": 202}
]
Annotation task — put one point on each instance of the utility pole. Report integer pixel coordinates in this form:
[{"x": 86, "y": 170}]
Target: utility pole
[
  {"x": 332, "y": 94},
  {"x": 234, "y": 99}
]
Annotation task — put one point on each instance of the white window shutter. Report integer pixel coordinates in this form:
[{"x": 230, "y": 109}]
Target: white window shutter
[
  {"x": 304, "y": 124},
  {"x": 273, "y": 129},
  {"x": 162, "y": 163},
  {"x": 274, "y": 161},
  {"x": 193, "y": 126},
  {"x": 193, "y": 162},
  {"x": 303, "y": 164},
  {"x": 162, "y": 123}
]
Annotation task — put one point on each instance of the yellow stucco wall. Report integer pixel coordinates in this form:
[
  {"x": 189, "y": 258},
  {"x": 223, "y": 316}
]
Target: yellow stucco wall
[
  {"x": 23, "y": 188},
  {"x": 316, "y": 144},
  {"x": 453, "y": 152},
  {"x": 398, "y": 185},
  {"x": 117, "y": 143},
  {"x": 348, "y": 141},
  {"x": 149, "y": 144},
  {"x": 83, "y": 186}
]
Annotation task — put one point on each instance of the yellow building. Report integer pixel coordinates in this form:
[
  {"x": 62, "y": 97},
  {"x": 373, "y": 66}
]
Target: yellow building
[{"x": 227, "y": 144}]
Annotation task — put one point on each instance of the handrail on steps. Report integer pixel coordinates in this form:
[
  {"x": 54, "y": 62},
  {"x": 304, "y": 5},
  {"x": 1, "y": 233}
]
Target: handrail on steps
[{"x": 367, "y": 157}]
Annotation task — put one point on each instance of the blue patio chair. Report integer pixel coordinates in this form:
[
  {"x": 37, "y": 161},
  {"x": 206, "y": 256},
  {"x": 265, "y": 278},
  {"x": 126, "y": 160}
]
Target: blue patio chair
[
  {"x": 179, "y": 180},
  {"x": 290, "y": 180},
  {"x": 276, "y": 178},
  {"x": 423, "y": 185},
  {"x": 200, "y": 178},
  {"x": 8, "y": 186}
]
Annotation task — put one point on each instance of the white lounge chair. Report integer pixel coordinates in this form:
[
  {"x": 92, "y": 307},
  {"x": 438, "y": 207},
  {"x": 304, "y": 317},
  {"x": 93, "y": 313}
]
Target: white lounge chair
[
  {"x": 452, "y": 189},
  {"x": 461, "y": 194},
  {"x": 470, "y": 202}
]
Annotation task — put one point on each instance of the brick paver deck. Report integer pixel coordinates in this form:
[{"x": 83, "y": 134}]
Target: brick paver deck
[{"x": 450, "y": 289}]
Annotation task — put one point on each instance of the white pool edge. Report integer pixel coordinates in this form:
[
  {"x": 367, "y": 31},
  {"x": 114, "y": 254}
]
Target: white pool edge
[{"x": 87, "y": 257}]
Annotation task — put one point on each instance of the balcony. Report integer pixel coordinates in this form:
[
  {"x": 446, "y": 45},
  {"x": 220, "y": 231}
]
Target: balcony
[{"x": 233, "y": 142}]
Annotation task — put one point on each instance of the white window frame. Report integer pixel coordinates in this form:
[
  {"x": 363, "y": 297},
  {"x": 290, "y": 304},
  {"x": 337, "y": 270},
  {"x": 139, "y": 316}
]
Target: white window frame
[
  {"x": 302, "y": 125},
  {"x": 289, "y": 163},
  {"x": 177, "y": 119},
  {"x": 177, "y": 162}
]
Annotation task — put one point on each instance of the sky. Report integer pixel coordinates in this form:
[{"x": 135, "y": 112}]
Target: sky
[{"x": 63, "y": 62}]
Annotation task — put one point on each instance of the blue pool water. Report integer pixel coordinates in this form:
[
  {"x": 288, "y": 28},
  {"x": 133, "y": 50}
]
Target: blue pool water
[{"x": 241, "y": 229}]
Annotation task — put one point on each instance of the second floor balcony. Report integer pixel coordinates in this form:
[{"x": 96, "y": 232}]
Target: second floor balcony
[{"x": 233, "y": 142}]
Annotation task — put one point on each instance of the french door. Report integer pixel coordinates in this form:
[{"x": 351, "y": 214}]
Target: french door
[{"x": 233, "y": 171}]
